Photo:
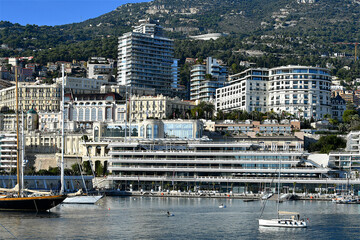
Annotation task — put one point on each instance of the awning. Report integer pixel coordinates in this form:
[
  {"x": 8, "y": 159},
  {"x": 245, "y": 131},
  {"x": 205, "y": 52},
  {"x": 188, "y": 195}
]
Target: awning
[{"x": 288, "y": 213}]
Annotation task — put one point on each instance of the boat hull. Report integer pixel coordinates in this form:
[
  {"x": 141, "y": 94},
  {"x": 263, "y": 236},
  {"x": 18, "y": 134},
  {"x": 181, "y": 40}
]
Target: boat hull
[
  {"x": 31, "y": 204},
  {"x": 285, "y": 223},
  {"x": 82, "y": 199}
]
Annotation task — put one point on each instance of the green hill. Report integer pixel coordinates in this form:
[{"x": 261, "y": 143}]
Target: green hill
[{"x": 277, "y": 28}]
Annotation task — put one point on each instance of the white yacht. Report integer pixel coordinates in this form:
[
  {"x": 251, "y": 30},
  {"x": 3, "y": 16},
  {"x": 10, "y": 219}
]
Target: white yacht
[{"x": 285, "y": 219}]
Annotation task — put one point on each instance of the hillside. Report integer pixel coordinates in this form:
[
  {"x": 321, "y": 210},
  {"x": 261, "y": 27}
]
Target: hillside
[{"x": 281, "y": 27}]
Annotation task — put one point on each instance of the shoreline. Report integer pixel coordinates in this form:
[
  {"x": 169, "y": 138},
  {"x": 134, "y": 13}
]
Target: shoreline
[{"x": 247, "y": 197}]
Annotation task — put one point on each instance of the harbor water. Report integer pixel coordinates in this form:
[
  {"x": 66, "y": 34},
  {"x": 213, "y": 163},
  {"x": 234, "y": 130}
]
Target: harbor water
[{"x": 194, "y": 218}]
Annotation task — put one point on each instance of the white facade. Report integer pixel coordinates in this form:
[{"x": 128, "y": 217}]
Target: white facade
[
  {"x": 82, "y": 85},
  {"x": 146, "y": 58},
  {"x": 8, "y": 152},
  {"x": 299, "y": 90},
  {"x": 88, "y": 108},
  {"x": 245, "y": 92}
]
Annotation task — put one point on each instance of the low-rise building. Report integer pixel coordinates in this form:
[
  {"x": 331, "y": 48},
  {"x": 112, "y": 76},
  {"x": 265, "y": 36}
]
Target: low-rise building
[
  {"x": 338, "y": 106},
  {"x": 100, "y": 68},
  {"x": 159, "y": 107},
  {"x": 123, "y": 90},
  {"x": 81, "y": 85},
  {"x": 40, "y": 97}
]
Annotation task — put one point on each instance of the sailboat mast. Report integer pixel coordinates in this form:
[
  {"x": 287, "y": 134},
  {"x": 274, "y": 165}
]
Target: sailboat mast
[
  {"x": 17, "y": 131},
  {"x": 22, "y": 148},
  {"x": 278, "y": 200},
  {"x": 62, "y": 131}
]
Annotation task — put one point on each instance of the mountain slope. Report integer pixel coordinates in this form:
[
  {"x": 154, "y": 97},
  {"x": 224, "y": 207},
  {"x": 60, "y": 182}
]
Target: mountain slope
[{"x": 268, "y": 22}]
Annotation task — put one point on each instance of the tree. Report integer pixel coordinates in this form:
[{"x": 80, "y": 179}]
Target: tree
[
  {"x": 327, "y": 144},
  {"x": 348, "y": 114}
]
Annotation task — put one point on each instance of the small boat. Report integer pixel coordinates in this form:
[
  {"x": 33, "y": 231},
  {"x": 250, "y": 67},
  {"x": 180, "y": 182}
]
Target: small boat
[
  {"x": 222, "y": 206},
  {"x": 267, "y": 196},
  {"x": 347, "y": 200},
  {"x": 250, "y": 200},
  {"x": 170, "y": 214},
  {"x": 82, "y": 199}
]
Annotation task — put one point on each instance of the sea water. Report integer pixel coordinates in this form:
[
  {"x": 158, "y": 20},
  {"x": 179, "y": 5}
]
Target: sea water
[{"x": 194, "y": 218}]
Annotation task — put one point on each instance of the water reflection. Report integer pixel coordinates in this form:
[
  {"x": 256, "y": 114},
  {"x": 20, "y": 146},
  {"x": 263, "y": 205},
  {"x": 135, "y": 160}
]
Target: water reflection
[{"x": 146, "y": 218}]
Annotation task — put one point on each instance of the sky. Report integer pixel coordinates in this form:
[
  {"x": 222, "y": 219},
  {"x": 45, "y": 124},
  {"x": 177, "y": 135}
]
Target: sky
[{"x": 56, "y": 12}]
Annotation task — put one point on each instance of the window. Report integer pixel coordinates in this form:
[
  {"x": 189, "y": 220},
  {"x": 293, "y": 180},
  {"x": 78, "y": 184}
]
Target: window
[
  {"x": 148, "y": 131},
  {"x": 100, "y": 115},
  {"x": 108, "y": 113},
  {"x": 93, "y": 114},
  {"x": 81, "y": 114},
  {"x": 87, "y": 114}
]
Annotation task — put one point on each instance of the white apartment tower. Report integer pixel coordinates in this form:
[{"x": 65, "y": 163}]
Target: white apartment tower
[
  {"x": 146, "y": 58},
  {"x": 245, "y": 92},
  {"x": 299, "y": 90}
]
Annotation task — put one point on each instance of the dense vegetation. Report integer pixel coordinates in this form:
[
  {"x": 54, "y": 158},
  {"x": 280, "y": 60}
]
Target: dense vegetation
[{"x": 327, "y": 144}]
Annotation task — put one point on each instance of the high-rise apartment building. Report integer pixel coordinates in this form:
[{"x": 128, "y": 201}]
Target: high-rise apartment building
[
  {"x": 205, "y": 79},
  {"x": 146, "y": 58},
  {"x": 299, "y": 90},
  {"x": 245, "y": 92}
]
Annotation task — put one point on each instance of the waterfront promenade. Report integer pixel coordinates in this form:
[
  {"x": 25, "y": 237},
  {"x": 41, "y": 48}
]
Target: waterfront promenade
[{"x": 213, "y": 194}]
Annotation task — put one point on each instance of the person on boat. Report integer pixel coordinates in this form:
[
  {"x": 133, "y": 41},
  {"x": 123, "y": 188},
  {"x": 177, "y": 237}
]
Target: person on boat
[{"x": 168, "y": 213}]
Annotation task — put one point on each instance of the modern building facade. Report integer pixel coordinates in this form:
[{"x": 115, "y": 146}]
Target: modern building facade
[
  {"x": 100, "y": 68},
  {"x": 298, "y": 90},
  {"x": 247, "y": 91},
  {"x": 205, "y": 79},
  {"x": 146, "y": 58},
  {"x": 301, "y": 91},
  {"x": 199, "y": 164},
  {"x": 8, "y": 152},
  {"x": 349, "y": 158}
]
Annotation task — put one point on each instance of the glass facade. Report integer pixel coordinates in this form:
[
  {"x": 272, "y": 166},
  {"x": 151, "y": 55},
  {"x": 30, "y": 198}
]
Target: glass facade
[
  {"x": 119, "y": 131},
  {"x": 178, "y": 130}
]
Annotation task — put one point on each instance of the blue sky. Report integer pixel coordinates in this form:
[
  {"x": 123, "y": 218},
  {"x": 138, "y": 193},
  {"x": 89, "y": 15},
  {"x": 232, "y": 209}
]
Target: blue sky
[{"x": 56, "y": 12}]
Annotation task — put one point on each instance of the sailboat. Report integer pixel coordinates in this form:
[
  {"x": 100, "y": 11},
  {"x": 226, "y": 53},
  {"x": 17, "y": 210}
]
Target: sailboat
[
  {"x": 19, "y": 199},
  {"x": 284, "y": 219},
  {"x": 80, "y": 197}
]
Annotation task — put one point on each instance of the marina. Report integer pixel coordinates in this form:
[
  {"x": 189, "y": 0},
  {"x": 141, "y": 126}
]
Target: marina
[{"x": 194, "y": 218}]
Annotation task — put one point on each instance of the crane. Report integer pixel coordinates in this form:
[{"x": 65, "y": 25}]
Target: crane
[{"x": 350, "y": 43}]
